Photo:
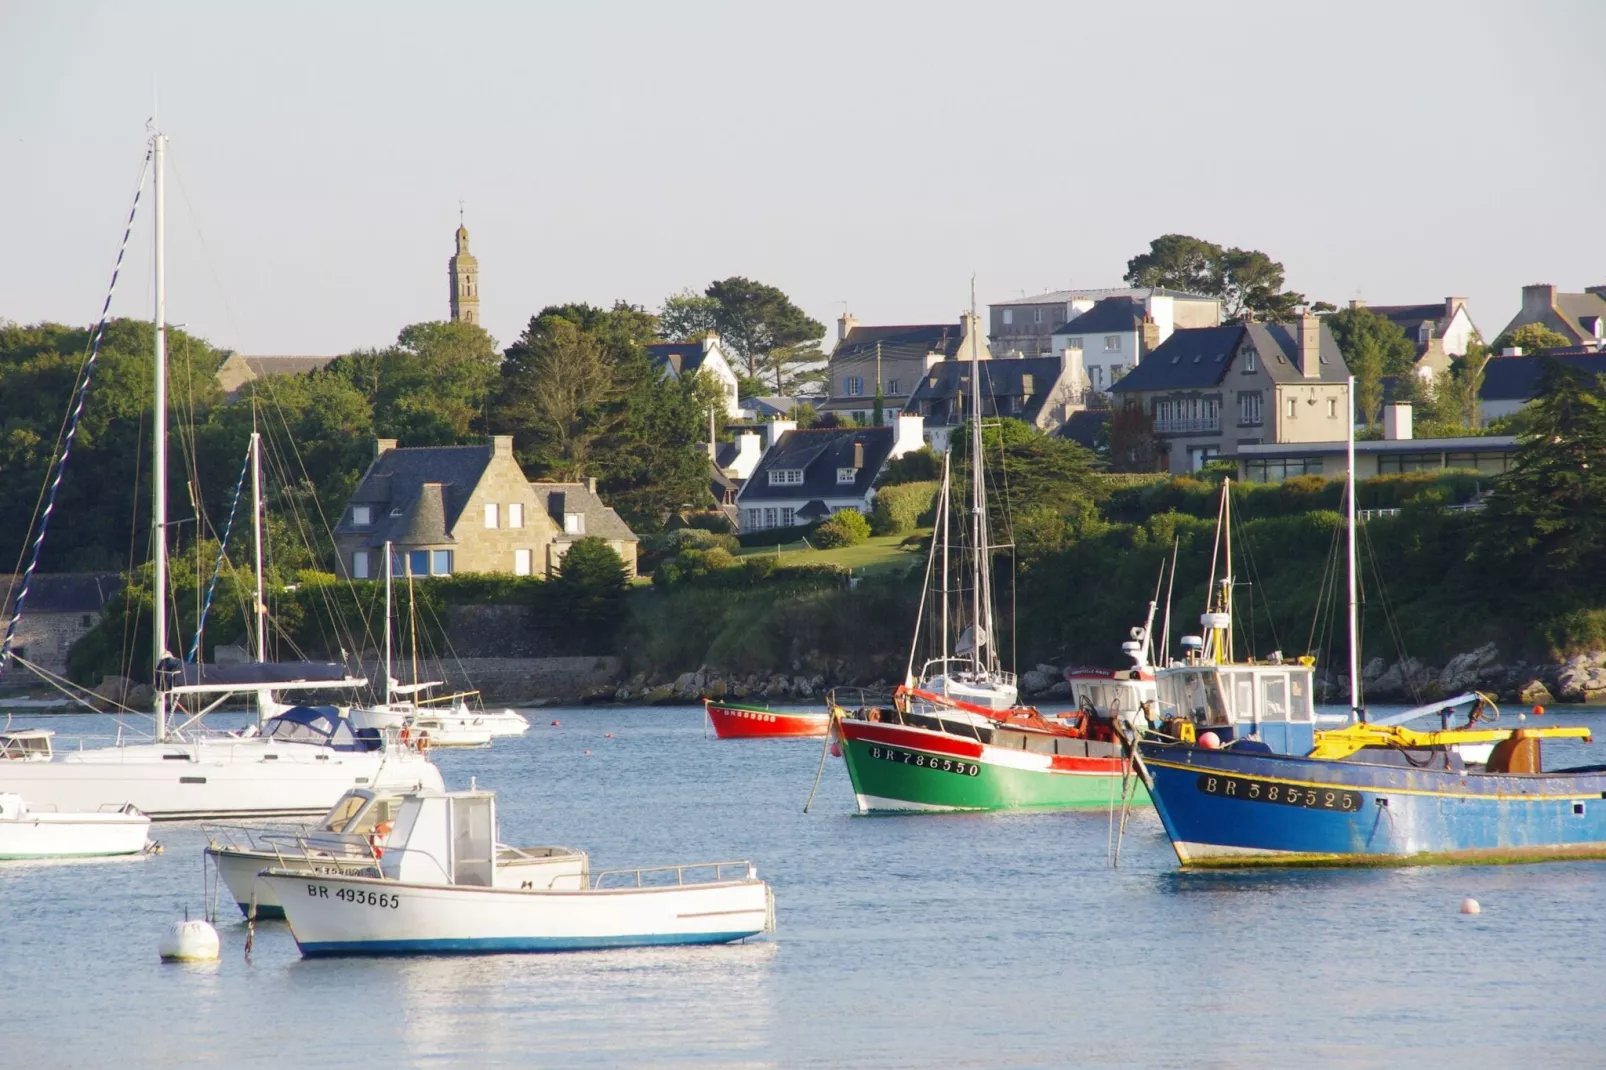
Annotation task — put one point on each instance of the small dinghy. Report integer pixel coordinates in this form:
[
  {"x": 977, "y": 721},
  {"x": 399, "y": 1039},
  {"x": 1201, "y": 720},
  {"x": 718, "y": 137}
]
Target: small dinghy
[
  {"x": 351, "y": 839},
  {"x": 26, "y": 833},
  {"x": 443, "y": 887},
  {"x": 736, "y": 720}
]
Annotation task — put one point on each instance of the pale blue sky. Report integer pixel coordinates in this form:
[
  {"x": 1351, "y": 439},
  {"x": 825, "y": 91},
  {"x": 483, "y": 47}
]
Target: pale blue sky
[{"x": 876, "y": 154}]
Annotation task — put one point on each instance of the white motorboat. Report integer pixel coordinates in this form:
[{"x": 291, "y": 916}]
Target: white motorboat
[
  {"x": 443, "y": 888},
  {"x": 351, "y": 839},
  {"x": 30, "y": 833}
]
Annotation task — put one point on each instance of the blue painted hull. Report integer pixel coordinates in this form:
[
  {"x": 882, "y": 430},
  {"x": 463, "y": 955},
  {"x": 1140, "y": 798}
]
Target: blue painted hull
[
  {"x": 513, "y": 945},
  {"x": 1229, "y": 808}
]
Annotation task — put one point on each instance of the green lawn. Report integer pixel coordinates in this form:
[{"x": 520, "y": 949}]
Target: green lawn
[{"x": 874, "y": 555}]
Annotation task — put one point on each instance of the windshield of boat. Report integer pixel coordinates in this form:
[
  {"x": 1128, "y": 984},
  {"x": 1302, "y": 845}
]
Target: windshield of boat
[
  {"x": 343, "y": 811},
  {"x": 383, "y": 811}
]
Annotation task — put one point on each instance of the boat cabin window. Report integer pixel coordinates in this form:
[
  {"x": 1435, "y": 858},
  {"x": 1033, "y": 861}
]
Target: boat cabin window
[
  {"x": 1202, "y": 698},
  {"x": 342, "y": 812},
  {"x": 383, "y": 811},
  {"x": 25, "y": 745}
]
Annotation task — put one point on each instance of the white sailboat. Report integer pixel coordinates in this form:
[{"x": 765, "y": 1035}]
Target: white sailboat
[
  {"x": 28, "y": 833},
  {"x": 297, "y": 762},
  {"x": 970, "y": 670}
]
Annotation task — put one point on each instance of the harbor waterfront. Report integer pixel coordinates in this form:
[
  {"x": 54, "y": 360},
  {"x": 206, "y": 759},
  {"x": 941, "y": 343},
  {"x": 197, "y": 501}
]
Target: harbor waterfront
[{"x": 950, "y": 940}]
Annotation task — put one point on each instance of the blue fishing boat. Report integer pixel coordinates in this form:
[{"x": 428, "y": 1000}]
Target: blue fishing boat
[{"x": 1236, "y": 784}]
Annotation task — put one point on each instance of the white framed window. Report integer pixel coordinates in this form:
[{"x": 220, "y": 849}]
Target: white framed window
[
  {"x": 440, "y": 562},
  {"x": 1074, "y": 343},
  {"x": 1293, "y": 408},
  {"x": 491, "y": 515},
  {"x": 892, "y": 387},
  {"x": 359, "y": 565},
  {"x": 853, "y": 385},
  {"x": 1037, "y": 315},
  {"x": 780, "y": 477},
  {"x": 574, "y": 523},
  {"x": 523, "y": 562},
  {"x": 1249, "y": 360},
  {"x": 1009, "y": 317},
  {"x": 515, "y": 515},
  {"x": 1112, "y": 343},
  {"x": 1332, "y": 408},
  {"x": 752, "y": 519},
  {"x": 362, "y": 515},
  {"x": 769, "y": 516},
  {"x": 788, "y": 516},
  {"x": 1249, "y": 409},
  {"x": 847, "y": 475}
]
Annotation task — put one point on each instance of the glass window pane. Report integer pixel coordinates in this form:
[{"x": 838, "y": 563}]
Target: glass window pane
[
  {"x": 442, "y": 563},
  {"x": 418, "y": 562}
]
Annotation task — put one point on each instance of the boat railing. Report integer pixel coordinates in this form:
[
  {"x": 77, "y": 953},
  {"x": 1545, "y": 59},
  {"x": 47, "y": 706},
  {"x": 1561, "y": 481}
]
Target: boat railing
[{"x": 658, "y": 876}]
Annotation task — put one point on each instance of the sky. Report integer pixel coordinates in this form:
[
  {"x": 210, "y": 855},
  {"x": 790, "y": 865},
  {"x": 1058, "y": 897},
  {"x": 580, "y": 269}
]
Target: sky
[{"x": 869, "y": 157}]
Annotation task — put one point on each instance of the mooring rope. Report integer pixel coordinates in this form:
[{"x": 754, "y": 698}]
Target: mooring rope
[
  {"x": 72, "y": 427},
  {"x": 222, "y": 550}
]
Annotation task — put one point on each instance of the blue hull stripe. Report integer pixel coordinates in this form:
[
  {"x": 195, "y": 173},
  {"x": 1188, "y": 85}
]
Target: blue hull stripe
[
  {"x": 1358, "y": 813},
  {"x": 502, "y": 945}
]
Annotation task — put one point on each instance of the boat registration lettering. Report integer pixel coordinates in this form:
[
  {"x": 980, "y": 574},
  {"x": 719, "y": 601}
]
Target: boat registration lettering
[
  {"x": 360, "y": 896},
  {"x": 926, "y": 761},
  {"x": 1234, "y": 787}
]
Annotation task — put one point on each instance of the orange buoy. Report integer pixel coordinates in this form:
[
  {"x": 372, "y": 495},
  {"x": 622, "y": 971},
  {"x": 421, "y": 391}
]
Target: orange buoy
[
  {"x": 607, "y": 735},
  {"x": 556, "y": 723},
  {"x": 1209, "y": 741},
  {"x": 1539, "y": 711}
]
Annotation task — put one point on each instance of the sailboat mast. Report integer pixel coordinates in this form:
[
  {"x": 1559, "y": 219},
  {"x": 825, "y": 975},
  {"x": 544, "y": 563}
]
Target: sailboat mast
[
  {"x": 981, "y": 603},
  {"x": 947, "y": 490},
  {"x": 389, "y": 571},
  {"x": 1354, "y": 600},
  {"x": 159, "y": 442},
  {"x": 256, "y": 531}
]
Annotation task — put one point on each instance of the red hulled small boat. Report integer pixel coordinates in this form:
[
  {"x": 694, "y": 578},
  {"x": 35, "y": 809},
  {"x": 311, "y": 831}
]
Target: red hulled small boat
[{"x": 736, "y": 720}]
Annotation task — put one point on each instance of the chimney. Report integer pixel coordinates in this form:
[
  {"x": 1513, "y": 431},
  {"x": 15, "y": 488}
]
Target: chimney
[
  {"x": 1538, "y": 298},
  {"x": 1356, "y": 304},
  {"x": 858, "y": 454},
  {"x": 1511, "y": 351},
  {"x": 1150, "y": 340},
  {"x": 911, "y": 434},
  {"x": 501, "y": 445},
  {"x": 1451, "y": 305},
  {"x": 1397, "y": 421},
  {"x": 1310, "y": 345},
  {"x": 382, "y": 445},
  {"x": 591, "y": 484},
  {"x": 777, "y": 428},
  {"x": 845, "y": 323}
]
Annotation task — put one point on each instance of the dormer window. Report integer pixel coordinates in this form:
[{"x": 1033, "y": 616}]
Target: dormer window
[
  {"x": 1249, "y": 360},
  {"x": 574, "y": 523},
  {"x": 847, "y": 476},
  {"x": 784, "y": 476},
  {"x": 362, "y": 515},
  {"x": 396, "y": 511}
]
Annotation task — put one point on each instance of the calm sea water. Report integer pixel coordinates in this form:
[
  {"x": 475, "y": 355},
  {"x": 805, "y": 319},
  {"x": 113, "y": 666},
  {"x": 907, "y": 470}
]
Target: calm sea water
[{"x": 922, "y": 941}]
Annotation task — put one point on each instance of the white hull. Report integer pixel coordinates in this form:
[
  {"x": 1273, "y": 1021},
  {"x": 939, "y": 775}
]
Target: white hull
[
  {"x": 371, "y": 916},
  {"x": 88, "y": 835},
  {"x": 515, "y": 870},
  {"x": 437, "y": 734},
  {"x": 482, "y": 727},
  {"x": 224, "y": 777}
]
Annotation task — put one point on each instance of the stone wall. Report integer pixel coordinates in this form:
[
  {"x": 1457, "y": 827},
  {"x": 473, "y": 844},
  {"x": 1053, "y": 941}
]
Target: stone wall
[{"x": 498, "y": 632}]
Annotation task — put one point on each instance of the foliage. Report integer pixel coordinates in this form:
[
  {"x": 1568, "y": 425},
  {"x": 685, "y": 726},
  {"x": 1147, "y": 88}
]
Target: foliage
[
  {"x": 1134, "y": 447},
  {"x": 772, "y": 337},
  {"x": 903, "y": 507},
  {"x": 916, "y": 466},
  {"x": 1025, "y": 467},
  {"x": 1245, "y": 279},
  {"x": 429, "y": 389},
  {"x": 1373, "y": 347},
  {"x": 1530, "y": 338},
  {"x": 846, "y": 528},
  {"x": 590, "y": 587},
  {"x": 1458, "y": 395},
  {"x": 805, "y": 415},
  {"x": 688, "y": 317}
]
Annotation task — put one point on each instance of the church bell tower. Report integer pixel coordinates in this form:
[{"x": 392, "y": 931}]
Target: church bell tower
[{"x": 465, "y": 277}]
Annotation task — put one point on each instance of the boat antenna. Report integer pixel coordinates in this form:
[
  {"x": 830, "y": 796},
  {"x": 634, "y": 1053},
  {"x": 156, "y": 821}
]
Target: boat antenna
[{"x": 1356, "y": 711}]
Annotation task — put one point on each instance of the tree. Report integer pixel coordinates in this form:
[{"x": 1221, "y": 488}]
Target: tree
[
  {"x": 688, "y": 317},
  {"x": 1244, "y": 279},
  {"x": 1134, "y": 447},
  {"x": 590, "y": 588},
  {"x": 1353, "y": 327},
  {"x": 1458, "y": 393},
  {"x": 1530, "y": 338},
  {"x": 1547, "y": 516},
  {"x": 559, "y": 389},
  {"x": 432, "y": 387},
  {"x": 759, "y": 323}
]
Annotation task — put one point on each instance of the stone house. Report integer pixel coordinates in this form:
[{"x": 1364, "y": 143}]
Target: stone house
[
  {"x": 450, "y": 509},
  {"x": 1440, "y": 332},
  {"x": 675, "y": 359},
  {"x": 61, "y": 609},
  {"x": 236, "y": 370},
  {"x": 1212, "y": 390},
  {"x": 809, "y": 475},
  {"x": 1580, "y": 318},
  {"x": 893, "y": 358},
  {"x": 1027, "y": 327},
  {"x": 1043, "y": 391}
]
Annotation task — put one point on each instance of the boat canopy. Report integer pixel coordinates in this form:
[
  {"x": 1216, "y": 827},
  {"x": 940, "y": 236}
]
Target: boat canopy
[{"x": 322, "y": 725}]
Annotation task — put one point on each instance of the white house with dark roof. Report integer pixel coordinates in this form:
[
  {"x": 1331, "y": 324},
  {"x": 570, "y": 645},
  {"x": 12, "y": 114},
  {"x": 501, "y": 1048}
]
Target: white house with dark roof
[
  {"x": 1212, "y": 390},
  {"x": 1042, "y": 391},
  {"x": 809, "y": 475},
  {"x": 1113, "y": 337},
  {"x": 1440, "y": 332},
  {"x": 675, "y": 359},
  {"x": 1027, "y": 326},
  {"x": 451, "y": 509},
  {"x": 893, "y": 359},
  {"x": 1509, "y": 384},
  {"x": 1579, "y": 318}
]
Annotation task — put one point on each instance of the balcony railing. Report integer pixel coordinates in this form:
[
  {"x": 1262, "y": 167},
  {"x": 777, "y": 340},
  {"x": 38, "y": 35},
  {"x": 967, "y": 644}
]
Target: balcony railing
[{"x": 1187, "y": 425}]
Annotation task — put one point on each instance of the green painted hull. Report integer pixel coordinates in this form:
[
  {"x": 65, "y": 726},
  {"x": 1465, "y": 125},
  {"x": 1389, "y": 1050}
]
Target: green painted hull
[{"x": 883, "y": 785}]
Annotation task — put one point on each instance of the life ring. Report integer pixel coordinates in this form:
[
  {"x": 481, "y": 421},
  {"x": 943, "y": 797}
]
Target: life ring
[
  {"x": 406, "y": 734},
  {"x": 374, "y": 844},
  {"x": 423, "y": 740}
]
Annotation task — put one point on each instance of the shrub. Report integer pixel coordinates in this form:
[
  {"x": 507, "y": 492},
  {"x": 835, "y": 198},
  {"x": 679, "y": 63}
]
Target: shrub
[
  {"x": 718, "y": 523},
  {"x": 921, "y": 466},
  {"x": 847, "y": 528},
  {"x": 903, "y": 508}
]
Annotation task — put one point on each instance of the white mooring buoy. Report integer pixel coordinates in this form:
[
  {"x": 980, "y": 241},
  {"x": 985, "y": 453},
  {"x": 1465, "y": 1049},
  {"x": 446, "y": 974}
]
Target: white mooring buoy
[
  {"x": 188, "y": 941},
  {"x": 1470, "y": 905}
]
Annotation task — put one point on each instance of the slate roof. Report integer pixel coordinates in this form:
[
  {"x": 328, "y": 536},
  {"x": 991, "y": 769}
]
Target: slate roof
[
  {"x": 285, "y": 365},
  {"x": 772, "y": 406},
  {"x": 397, "y": 480},
  {"x": 1198, "y": 357},
  {"x": 904, "y": 341},
  {"x": 601, "y": 521},
  {"x": 1110, "y": 314},
  {"x": 1517, "y": 378},
  {"x": 679, "y": 357},
  {"x": 62, "y": 592},
  {"x": 1409, "y": 318},
  {"x": 1000, "y": 379},
  {"x": 819, "y": 453},
  {"x": 1131, "y": 293},
  {"x": 1581, "y": 308}
]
